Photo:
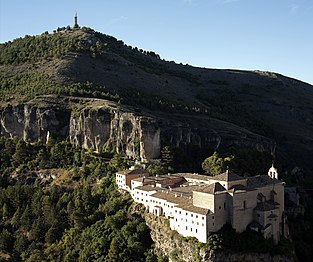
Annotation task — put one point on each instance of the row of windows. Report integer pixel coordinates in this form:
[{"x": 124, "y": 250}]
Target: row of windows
[
  {"x": 192, "y": 222},
  {"x": 190, "y": 229},
  {"x": 170, "y": 206},
  {"x": 190, "y": 214}
]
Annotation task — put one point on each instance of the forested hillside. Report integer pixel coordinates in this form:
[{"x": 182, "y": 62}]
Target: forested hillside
[{"x": 70, "y": 218}]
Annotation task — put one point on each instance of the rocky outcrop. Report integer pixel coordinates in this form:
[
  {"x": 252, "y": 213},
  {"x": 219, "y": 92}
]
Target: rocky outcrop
[
  {"x": 171, "y": 245},
  {"x": 34, "y": 123},
  {"x": 99, "y": 124},
  {"x": 104, "y": 127}
]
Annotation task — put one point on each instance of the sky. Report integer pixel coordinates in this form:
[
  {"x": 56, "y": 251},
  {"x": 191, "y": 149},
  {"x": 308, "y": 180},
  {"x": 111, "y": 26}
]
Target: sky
[{"x": 269, "y": 35}]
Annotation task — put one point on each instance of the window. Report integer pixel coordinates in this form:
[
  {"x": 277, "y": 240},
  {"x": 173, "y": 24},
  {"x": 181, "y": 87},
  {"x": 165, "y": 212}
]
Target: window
[
  {"x": 224, "y": 205},
  {"x": 202, "y": 218},
  {"x": 219, "y": 207},
  {"x": 213, "y": 223},
  {"x": 186, "y": 228},
  {"x": 202, "y": 224},
  {"x": 244, "y": 204},
  {"x": 212, "y": 217},
  {"x": 196, "y": 216},
  {"x": 192, "y": 222},
  {"x": 191, "y": 215}
]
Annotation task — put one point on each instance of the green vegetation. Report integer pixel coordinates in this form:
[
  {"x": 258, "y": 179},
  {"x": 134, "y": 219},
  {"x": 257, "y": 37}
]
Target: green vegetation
[
  {"x": 81, "y": 222},
  {"x": 244, "y": 162},
  {"x": 30, "y": 84},
  {"x": 215, "y": 165},
  {"x": 31, "y": 49}
]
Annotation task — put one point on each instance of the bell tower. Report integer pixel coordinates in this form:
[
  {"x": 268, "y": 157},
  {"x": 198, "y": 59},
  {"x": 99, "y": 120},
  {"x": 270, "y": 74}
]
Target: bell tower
[{"x": 272, "y": 172}]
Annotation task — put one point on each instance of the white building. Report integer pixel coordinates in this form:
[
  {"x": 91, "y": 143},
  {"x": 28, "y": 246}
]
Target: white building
[
  {"x": 123, "y": 178},
  {"x": 199, "y": 205}
]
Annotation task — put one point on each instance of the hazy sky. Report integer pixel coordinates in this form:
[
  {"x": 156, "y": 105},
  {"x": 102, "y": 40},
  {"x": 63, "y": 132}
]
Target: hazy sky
[{"x": 270, "y": 35}]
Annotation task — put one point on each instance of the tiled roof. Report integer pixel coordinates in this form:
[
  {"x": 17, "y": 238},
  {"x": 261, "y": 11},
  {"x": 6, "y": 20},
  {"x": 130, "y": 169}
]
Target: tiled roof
[
  {"x": 191, "y": 208},
  {"x": 193, "y": 176},
  {"x": 239, "y": 188},
  {"x": 139, "y": 179},
  {"x": 147, "y": 188},
  {"x": 172, "y": 198},
  {"x": 181, "y": 201},
  {"x": 260, "y": 181},
  {"x": 210, "y": 189},
  {"x": 228, "y": 177}
]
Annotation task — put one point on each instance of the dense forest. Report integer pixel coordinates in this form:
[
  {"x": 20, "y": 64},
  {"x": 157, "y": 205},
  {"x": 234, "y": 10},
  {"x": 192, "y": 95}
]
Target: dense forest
[{"x": 76, "y": 221}]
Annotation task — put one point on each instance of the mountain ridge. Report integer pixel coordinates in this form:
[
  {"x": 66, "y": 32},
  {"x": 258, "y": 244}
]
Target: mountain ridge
[{"x": 86, "y": 63}]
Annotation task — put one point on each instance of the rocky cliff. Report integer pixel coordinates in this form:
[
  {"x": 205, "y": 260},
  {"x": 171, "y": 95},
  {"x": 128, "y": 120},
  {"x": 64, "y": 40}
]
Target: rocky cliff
[
  {"x": 172, "y": 246},
  {"x": 101, "y": 124}
]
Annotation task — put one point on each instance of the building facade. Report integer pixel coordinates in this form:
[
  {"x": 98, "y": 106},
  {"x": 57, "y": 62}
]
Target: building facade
[
  {"x": 124, "y": 178},
  {"x": 198, "y": 205}
]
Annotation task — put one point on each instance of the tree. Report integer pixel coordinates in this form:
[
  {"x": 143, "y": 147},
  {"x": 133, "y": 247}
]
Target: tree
[
  {"x": 43, "y": 159},
  {"x": 21, "y": 243},
  {"x": 5, "y": 212},
  {"x": 26, "y": 218},
  {"x": 215, "y": 165},
  {"x": 6, "y": 241},
  {"x": 20, "y": 155},
  {"x": 15, "y": 221},
  {"x": 113, "y": 255}
]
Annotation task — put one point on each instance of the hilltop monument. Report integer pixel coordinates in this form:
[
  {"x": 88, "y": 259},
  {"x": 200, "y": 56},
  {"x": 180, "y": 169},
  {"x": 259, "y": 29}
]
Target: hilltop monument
[{"x": 75, "y": 21}]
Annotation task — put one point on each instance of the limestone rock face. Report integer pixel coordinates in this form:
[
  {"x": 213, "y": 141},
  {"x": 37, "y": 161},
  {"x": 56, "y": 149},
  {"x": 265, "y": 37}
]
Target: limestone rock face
[
  {"x": 34, "y": 123},
  {"x": 100, "y": 124},
  {"x": 104, "y": 127},
  {"x": 171, "y": 245}
]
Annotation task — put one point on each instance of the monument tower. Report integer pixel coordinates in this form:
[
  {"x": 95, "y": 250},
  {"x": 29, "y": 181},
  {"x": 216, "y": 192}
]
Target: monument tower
[{"x": 75, "y": 21}]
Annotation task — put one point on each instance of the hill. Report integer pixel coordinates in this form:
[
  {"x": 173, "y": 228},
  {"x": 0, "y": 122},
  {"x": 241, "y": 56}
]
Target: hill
[{"x": 243, "y": 109}]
